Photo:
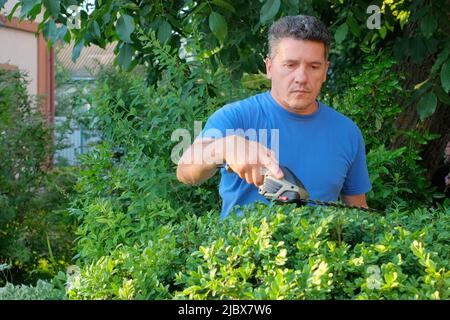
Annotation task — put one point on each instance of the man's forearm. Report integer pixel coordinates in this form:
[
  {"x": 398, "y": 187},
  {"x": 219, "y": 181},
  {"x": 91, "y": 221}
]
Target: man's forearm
[
  {"x": 195, "y": 174},
  {"x": 200, "y": 161}
]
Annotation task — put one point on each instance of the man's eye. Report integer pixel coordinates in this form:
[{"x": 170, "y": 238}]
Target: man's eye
[
  {"x": 315, "y": 67},
  {"x": 289, "y": 65}
]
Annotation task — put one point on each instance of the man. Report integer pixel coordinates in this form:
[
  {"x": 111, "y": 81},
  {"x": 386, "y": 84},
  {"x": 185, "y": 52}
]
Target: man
[{"x": 322, "y": 147}]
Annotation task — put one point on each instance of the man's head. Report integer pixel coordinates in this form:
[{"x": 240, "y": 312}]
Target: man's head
[{"x": 298, "y": 61}]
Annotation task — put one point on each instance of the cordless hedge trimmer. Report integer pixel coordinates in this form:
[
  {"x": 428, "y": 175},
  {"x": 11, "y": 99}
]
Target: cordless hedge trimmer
[{"x": 291, "y": 190}]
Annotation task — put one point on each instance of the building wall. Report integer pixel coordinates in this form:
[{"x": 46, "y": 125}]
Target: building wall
[{"x": 21, "y": 48}]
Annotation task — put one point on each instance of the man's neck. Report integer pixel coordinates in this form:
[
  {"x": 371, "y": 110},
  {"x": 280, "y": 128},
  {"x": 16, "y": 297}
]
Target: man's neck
[{"x": 312, "y": 108}]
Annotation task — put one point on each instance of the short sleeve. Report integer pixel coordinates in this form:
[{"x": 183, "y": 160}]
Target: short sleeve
[
  {"x": 357, "y": 180},
  {"x": 221, "y": 123}
]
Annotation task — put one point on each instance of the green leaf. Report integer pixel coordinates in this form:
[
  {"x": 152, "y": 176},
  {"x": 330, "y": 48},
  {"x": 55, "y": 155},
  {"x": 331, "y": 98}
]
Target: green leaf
[
  {"x": 442, "y": 56},
  {"x": 199, "y": 8},
  {"x": 418, "y": 49},
  {"x": 445, "y": 76},
  {"x": 125, "y": 27},
  {"x": 125, "y": 55},
  {"x": 53, "y": 7},
  {"x": 50, "y": 31},
  {"x": 428, "y": 25},
  {"x": 27, "y": 5},
  {"x": 269, "y": 10},
  {"x": 95, "y": 30},
  {"x": 224, "y": 4},
  {"x": 67, "y": 37},
  {"x": 427, "y": 105},
  {"x": 164, "y": 31},
  {"x": 442, "y": 96},
  {"x": 294, "y": 4},
  {"x": 13, "y": 10},
  {"x": 383, "y": 32},
  {"x": 62, "y": 32},
  {"x": 218, "y": 26},
  {"x": 341, "y": 33},
  {"x": 131, "y": 6},
  {"x": 354, "y": 28},
  {"x": 77, "y": 50}
]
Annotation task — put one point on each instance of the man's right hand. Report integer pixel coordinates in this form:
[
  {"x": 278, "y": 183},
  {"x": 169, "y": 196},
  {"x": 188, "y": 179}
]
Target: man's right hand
[{"x": 246, "y": 158}]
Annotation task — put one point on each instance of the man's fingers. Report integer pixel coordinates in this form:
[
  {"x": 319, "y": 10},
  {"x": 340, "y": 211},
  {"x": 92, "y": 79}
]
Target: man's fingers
[
  {"x": 258, "y": 178},
  {"x": 248, "y": 177},
  {"x": 270, "y": 162}
]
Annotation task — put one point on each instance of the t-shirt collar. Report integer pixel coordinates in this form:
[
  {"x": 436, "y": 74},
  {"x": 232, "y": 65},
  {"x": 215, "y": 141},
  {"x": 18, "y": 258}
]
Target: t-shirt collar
[{"x": 279, "y": 108}]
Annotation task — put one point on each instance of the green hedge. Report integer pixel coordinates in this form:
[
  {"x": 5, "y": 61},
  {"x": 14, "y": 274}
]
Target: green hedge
[{"x": 275, "y": 252}]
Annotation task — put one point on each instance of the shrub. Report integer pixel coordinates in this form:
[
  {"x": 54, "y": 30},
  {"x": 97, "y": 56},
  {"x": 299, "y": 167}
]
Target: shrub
[
  {"x": 41, "y": 291},
  {"x": 322, "y": 253},
  {"x": 24, "y": 141},
  {"x": 277, "y": 252},
  {"x": 131, "y": 169},
  {"x": 36, "y": 233},
  {"x": 370, "y": 99}
]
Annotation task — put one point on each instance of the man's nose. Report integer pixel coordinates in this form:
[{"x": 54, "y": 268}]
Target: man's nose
[{"x": 301, "y": 75}]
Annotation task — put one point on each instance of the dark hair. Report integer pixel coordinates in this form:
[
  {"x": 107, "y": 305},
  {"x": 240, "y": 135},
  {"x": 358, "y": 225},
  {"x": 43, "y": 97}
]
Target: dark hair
[{"x": 301, "y": 28}]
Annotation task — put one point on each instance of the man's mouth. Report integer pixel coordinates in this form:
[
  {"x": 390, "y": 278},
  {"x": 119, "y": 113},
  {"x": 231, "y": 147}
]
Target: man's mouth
[{"x": 300, "y": 91}]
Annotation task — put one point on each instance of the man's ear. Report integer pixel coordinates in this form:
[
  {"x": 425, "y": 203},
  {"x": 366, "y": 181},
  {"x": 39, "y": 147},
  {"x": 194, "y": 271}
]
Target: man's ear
[
  {"x": 268, "y": 68},
  {"x": 327, "y": 65}
]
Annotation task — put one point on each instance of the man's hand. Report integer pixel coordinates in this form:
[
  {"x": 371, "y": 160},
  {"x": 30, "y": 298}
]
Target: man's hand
[
  {"x": 358, "y": 200},
  {"x": 248, "y": 158}
]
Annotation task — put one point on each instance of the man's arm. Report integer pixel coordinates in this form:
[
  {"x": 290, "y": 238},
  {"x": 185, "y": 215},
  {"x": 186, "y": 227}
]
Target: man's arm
[
  {"x": 355, "y": 200},
  {"x": 195, "y": 166},
  {"x": 245, "y": 158}
]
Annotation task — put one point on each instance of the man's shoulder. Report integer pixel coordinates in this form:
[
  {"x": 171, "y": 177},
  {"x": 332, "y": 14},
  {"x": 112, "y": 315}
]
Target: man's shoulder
[
  {"x": 242, "y": 109},
  {"x": 339, "y": 118},
  {"x": 249, "y": 102},
  {"x": 239, "y": 112}
]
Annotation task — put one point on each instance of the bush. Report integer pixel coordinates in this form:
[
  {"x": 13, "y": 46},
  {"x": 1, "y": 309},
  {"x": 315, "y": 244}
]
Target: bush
[
  {"x": 42, "y": 291},
  {"x": 36, "y": 232},
  {"x": 131, "y": 169},
  {"x": 278, "y": 252},
  {"x": 24, "y": 141},
  {"x": 371, "y": 100}
]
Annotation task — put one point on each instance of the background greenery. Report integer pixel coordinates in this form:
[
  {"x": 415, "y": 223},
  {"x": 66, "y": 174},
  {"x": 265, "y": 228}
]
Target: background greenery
[
  {"x": 36, "y": 231},
  {"x": 140, "y": 234}
]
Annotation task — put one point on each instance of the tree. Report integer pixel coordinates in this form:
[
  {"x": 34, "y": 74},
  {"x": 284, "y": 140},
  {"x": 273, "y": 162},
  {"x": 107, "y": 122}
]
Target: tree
[{"x": 233, "y": 33}]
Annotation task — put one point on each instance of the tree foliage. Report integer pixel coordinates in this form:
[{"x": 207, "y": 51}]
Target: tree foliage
[{"x": 234, "y": 32}]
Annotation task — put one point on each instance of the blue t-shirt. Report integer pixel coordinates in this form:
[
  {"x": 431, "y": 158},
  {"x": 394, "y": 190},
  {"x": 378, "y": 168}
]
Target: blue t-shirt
[{"x": 325, "y": 150}]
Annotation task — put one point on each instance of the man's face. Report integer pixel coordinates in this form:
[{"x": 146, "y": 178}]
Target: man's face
[{"x": 297, "y": 71}]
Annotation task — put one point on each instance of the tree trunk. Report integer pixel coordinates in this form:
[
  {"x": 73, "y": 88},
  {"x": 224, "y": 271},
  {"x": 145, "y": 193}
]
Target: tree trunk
[{"x": 439, "y": 122}]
